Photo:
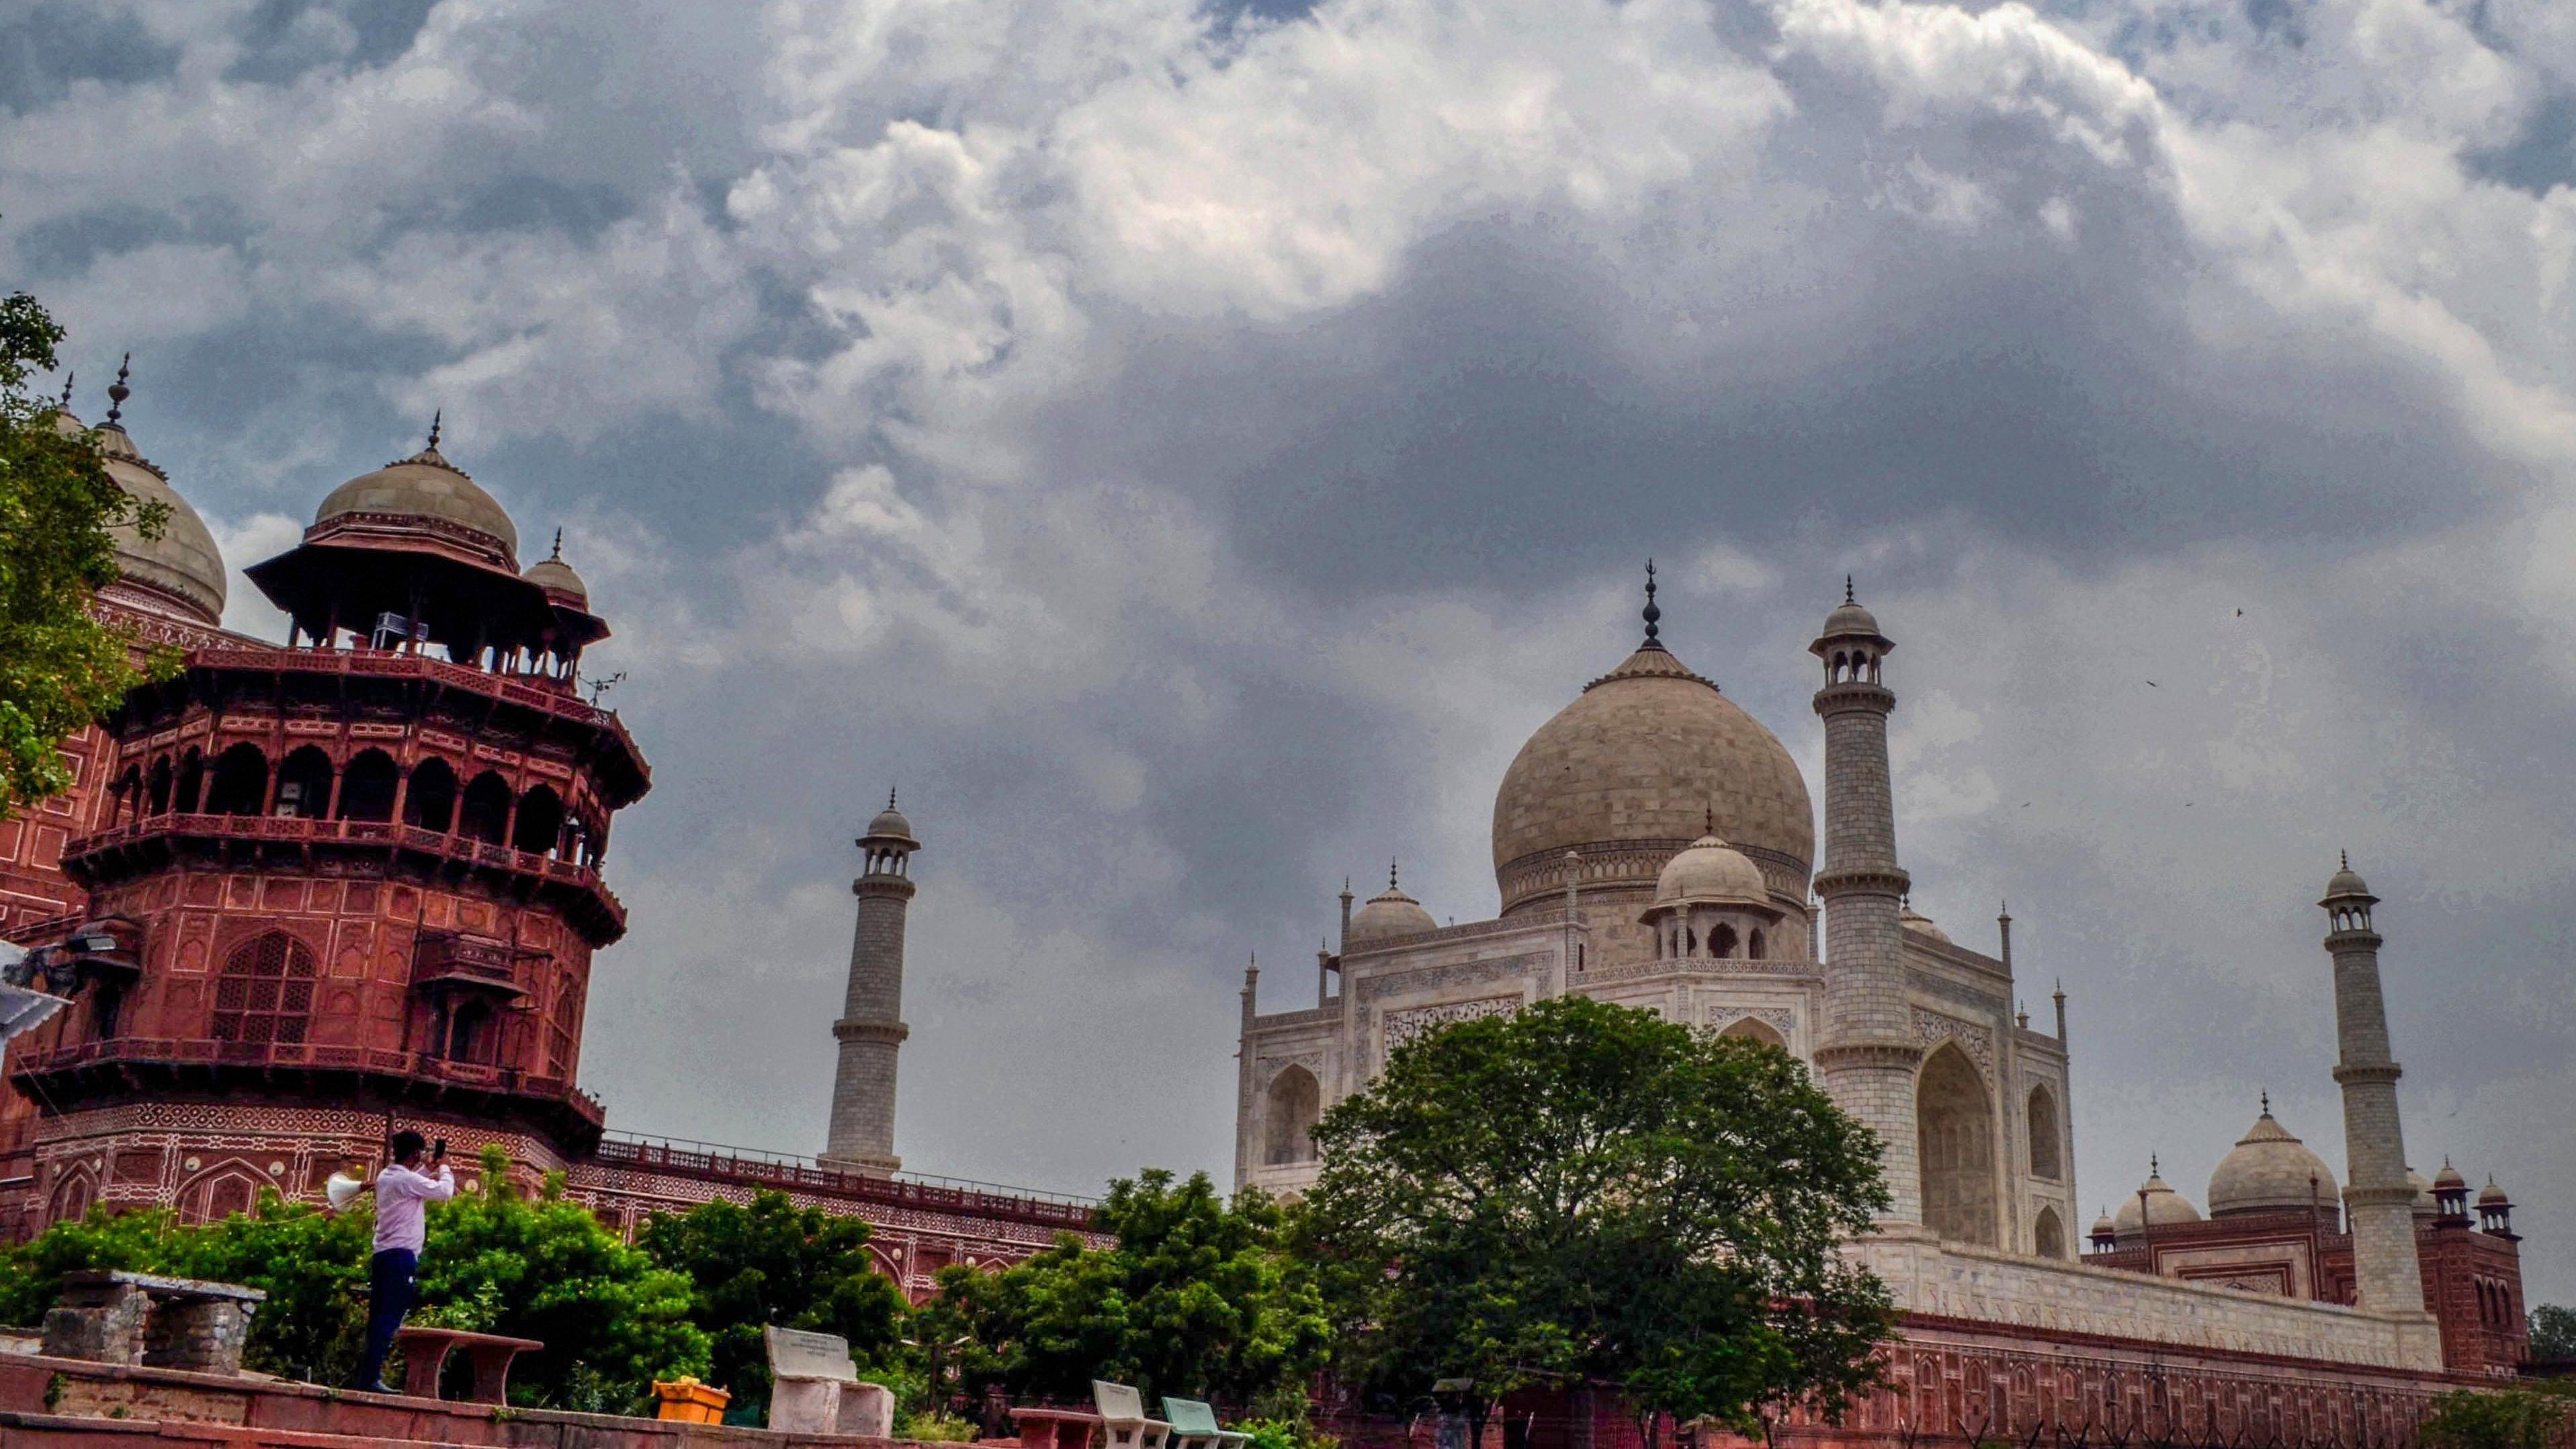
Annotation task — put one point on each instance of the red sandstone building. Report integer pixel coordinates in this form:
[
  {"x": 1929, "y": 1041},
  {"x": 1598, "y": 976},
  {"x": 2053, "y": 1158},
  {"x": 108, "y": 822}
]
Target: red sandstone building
[{"x": 315, "y": 890}]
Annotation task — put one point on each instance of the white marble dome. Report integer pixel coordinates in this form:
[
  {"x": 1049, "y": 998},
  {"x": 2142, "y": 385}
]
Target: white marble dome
[
  {"x": 1649, "y": 755},
  {"x": 1711, "y": 872},
  {"x": 2164, "y": 1206},
  {"x": 2270, "y": 1170},
  {"x": 1389, "y": 914}
]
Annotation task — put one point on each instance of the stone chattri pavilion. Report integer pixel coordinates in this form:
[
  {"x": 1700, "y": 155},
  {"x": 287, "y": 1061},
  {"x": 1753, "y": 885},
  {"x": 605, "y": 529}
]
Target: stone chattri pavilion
[{"x": 355, "y": 880}]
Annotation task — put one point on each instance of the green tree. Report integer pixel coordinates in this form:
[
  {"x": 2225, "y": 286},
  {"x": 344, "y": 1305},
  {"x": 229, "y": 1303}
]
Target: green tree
[
  {"x": 775, "y": 1263},
  {"x": 2537, "y": 1417},
  {"x": 1586, "y": 1193},
  {"x": 60, "y": 669},
  {"x": 612, "y": 1320},
  {"x": 1197, "y": 1298},
  {"x": 2553, "y": 1333}
]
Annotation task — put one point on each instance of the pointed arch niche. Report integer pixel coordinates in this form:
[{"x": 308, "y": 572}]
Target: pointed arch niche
[
  {"x": 1294, "y": 1104},
  {"x": 1955, "y": 1127},
  {"x": 1754, "y": 1028}
]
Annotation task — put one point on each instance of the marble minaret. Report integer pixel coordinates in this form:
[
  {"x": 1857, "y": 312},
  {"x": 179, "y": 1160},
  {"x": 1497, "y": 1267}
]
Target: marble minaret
[
  {"x": 1866, "y": 1054},
  {"x": 871, "y": 1028},
  {"x": 2379, "y": 1199}
]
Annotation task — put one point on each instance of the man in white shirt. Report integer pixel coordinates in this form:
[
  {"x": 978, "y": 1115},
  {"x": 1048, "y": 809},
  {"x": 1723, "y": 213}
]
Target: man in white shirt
[{"x": 403, "y": 1194}]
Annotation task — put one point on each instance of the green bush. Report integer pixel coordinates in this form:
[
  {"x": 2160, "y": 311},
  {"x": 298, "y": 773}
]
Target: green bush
[{"x": 2518, "y": 1418}]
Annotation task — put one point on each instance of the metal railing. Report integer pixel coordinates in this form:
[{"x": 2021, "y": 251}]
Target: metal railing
[{"x": 778, "y": 1169}]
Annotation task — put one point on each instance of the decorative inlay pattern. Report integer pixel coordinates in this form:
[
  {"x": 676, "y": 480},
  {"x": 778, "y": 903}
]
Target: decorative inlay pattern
[
  {"x": 1409, "y": 1023},
  {"x": 1933, "y": 1027}
]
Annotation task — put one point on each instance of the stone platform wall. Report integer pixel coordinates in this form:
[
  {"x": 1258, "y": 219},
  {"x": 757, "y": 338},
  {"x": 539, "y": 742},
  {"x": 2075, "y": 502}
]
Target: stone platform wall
[
  {"x": 48, "y": 1403},
  {"x": 2039, "y": 1299}
]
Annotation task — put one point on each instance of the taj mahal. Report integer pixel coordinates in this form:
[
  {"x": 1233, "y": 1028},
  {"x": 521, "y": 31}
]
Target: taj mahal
[{"x": 1654, "y": 845}]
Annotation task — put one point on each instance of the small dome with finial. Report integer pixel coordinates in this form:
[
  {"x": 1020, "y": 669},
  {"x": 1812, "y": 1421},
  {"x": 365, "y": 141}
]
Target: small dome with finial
[
  {"x": 2491, "y": 1196},
  {"x": 2346, "y": 882},
  {"x": 1920, "y": 924},
  {"x": 2269, "y": 1171},
  {"x": 1389, "y": 914},
  {"x": 182, "y": 567},
  {"x": 1849, "y": 617},
  {"x": 427, "y": 487},
  {"x": 2164, "y": 1206},
  {"x": 1711, "y": 872},
  {"x": 890, "y": 824},
  {"x": 556, "y": 577}
]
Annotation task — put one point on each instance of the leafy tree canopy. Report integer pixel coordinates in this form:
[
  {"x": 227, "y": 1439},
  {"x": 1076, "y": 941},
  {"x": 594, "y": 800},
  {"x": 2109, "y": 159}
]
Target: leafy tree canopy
[
  {"x": 2553, "y": 1332},
  {"x": 60, "y": 669},
  {"x": 775, "y": 1263},
  {"x": 1196, "y": 1299},
  {"x": 1582, "y": 1193}
]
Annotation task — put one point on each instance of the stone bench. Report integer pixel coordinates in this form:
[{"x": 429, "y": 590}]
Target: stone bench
[
  {"x": 1194, "y": 1426},
  {"x": 112, "y": 1316},
  {"x": 1045, "y": 1427},
  {"x": 425, "y": 1352}
]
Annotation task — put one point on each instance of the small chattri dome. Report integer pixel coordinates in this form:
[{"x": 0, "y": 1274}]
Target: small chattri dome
[
  {"x": 2448, "y": 1178},
  {"x": 2269, "y": 1171},
  {"x": 1712, "y": 872},
  {"x": 555, "y": 576},
  {"x": 424, "y": 485},
  {"x": 2492, "y": 1195},
  {"x": 2425, "y": 1207},
  {"x": 2164, "y": 1206},
  {"x": 1921, "y": 925},
  {"x": 889, "y": 824},
  {"x": 2104, "y": 1227},
  {"x": 2346, "y": 881},
  {"x": 1389, "y": 914},
  {"x": 182, "y": 565}
]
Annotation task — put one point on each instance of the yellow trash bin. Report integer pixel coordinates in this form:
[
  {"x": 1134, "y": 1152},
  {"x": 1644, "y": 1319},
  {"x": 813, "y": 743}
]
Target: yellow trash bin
[{"x": 686, "y": 1401}]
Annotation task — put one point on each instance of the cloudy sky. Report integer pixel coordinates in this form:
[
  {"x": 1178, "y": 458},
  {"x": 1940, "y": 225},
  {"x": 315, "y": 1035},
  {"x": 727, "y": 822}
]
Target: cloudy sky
[{"x": 1189, "y": 446}]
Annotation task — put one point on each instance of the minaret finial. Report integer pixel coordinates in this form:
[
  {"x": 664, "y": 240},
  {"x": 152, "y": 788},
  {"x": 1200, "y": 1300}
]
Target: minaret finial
[
  {"x": 1847, "y": 590},
  {"x": 1390, "y": 873},
  {"x": 2154, "y": 1168},
  {"x": 436, "y": 418},
  {"x": 66, "y": 404},
  {"x": 2343, "y": 858},
  {"x": 117, "y": 391},
  {"x": 1708, "y": 820},
  {"x": 889, "y": 797},
  {"x": 558, "y": 553},
  {"x": 2267, "y": 1101},
  {"x": 1653, "y": 614}
]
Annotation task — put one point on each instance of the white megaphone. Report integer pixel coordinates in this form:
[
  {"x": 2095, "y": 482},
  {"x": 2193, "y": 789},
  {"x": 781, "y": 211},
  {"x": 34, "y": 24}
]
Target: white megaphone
[{"x": 342, "y": 1188}]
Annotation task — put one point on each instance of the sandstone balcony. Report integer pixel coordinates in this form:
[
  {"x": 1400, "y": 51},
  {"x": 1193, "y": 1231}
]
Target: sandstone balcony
[
  {"x": 83, "y": 1069},
  {"x": 154, "y": 841}
]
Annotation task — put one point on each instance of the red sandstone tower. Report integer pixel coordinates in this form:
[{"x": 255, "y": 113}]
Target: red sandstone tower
[{"x": 351, "y": 881}]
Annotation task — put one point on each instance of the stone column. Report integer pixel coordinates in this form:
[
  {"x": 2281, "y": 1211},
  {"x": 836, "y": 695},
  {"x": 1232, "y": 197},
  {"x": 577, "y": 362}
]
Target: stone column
[
  {"x": 1244, "y": 1144},
  {"x": 2380, "y": 1200},
  {"x": 1866, "y": 1055},
  {"x": 871, "y": 1028}
]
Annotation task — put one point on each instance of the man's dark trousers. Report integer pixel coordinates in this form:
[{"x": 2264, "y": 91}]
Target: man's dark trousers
[{"x": 388, "y": 1299}]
